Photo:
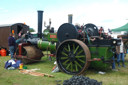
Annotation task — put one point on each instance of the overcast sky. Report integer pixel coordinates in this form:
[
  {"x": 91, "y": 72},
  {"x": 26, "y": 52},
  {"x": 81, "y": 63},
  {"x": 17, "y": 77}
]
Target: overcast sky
[{"x": 107, "y": 13}]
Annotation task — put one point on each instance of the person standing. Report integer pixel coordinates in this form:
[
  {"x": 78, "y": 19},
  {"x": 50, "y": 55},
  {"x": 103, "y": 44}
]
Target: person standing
[
  {"x": 121, "y": 55},
  {"x": 113, "y": 63},
  {"x": 11, "y": 44}
]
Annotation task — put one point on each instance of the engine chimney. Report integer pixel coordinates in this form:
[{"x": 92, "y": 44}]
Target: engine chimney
[
  {"x": 40, "y": 18},
  {"x": 70, "y": 18}
]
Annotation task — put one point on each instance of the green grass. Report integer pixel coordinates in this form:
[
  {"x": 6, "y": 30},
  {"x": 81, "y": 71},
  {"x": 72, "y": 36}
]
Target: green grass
[{"x": 14, "y": 77}]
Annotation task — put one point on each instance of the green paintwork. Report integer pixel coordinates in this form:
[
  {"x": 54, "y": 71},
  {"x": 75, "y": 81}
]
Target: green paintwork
[
  {"x": 52, "y": 37},
  {"x": 98, "y": 52},
  {"x": 45, "y": 32},
  {"x": 45, "y": 45}
]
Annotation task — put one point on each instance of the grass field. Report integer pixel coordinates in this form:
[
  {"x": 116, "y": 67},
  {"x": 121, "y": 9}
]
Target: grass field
[{"x": 14, "y": 77}]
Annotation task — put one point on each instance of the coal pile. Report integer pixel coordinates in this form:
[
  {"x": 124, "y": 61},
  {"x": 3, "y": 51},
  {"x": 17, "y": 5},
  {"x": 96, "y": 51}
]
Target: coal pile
[{"x": 81, "y": 80}]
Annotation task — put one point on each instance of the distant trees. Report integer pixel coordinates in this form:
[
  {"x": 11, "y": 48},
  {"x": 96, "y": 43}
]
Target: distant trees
[{"x": 31, "y": 30}]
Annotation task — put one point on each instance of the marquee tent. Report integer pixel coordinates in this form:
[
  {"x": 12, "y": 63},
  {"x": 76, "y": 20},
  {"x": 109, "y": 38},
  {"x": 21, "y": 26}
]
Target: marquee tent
[{"x": 122, "y": 28}]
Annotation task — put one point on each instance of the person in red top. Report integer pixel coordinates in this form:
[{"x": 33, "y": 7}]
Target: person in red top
[{"x": 101, "y": 31}]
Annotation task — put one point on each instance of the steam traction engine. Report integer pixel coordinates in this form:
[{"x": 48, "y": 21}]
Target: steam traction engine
[
  {"x": 77, "y": 47},
  {"x": 82, "y": 47},
  {"x": 31, "y": 46}
]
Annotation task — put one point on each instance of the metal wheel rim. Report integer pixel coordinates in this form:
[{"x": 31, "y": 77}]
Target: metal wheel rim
[{"x": 76, "y": 56}]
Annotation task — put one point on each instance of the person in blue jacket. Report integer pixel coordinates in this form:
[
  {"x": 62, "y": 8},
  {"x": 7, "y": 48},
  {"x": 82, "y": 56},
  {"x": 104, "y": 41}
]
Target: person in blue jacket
[{"x": 11, "y": 44}]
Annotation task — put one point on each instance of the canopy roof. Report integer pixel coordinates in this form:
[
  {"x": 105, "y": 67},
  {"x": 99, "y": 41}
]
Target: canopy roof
[{"x": 122, "y": 28}]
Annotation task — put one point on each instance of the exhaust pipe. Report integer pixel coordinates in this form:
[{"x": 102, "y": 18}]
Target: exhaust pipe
[
  {"x": 70, "y": 18},
  {"x": 40, "y": 18}
]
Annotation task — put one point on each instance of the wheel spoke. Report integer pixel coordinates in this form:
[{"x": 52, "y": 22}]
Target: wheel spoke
[
  {"x": 64, "y": 54},
  {"x": 82, "y": 56},
  {"x": 65, "y": 62},
  {"x": 69, "y": 47},
  {"x": 68, "y": 65},
  {"x": 81, "y": 60},
  {"x": 71, "y": 67},
  {"x": 76, "y": 67},
  {"x": 76, "y": 49},
  {"x": 64, "y": 58},
  {"x": 66, "y": 49},
  {"x": 78, "y": 64},
  {"x": 79, "y": 52}
]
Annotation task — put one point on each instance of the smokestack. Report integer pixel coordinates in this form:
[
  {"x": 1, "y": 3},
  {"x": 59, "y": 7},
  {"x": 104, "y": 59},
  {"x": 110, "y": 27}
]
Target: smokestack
[
  {"x": 40, "y": 18},
  {"x": 70, "y": 18}
]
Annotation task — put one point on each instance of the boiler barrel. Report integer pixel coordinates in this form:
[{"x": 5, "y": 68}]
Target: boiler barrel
[{"x": 45, "y": 45}]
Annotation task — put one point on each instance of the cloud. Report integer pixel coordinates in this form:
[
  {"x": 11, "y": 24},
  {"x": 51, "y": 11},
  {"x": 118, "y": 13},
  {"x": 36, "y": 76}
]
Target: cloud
[
  {"x": 5, "y": 11},
  {"x": 115, "y": 1},
  {"x": 1, "y": 8},
  {"x": 109, "y": 15}
]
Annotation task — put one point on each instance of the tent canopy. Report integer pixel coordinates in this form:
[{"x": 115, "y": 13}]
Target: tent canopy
[{"x": 122, "y": 28}]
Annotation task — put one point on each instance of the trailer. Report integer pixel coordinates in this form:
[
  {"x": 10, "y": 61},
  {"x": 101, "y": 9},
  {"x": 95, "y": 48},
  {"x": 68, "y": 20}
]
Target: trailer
[{"x": 5, "y": 30}]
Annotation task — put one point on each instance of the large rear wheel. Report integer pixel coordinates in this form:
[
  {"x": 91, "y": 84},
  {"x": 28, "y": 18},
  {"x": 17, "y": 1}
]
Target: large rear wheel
[{"x": 72, "y": 57}]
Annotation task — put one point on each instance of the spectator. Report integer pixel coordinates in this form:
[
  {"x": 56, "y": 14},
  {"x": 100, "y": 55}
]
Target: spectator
[
  {"x": 121, "y": 53},
  {"x": 20, "y": 34},
  {"x": 101, "y": 31},
  {"x": 11, "y": 44},
  {"x": 113, "y": 63}
]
